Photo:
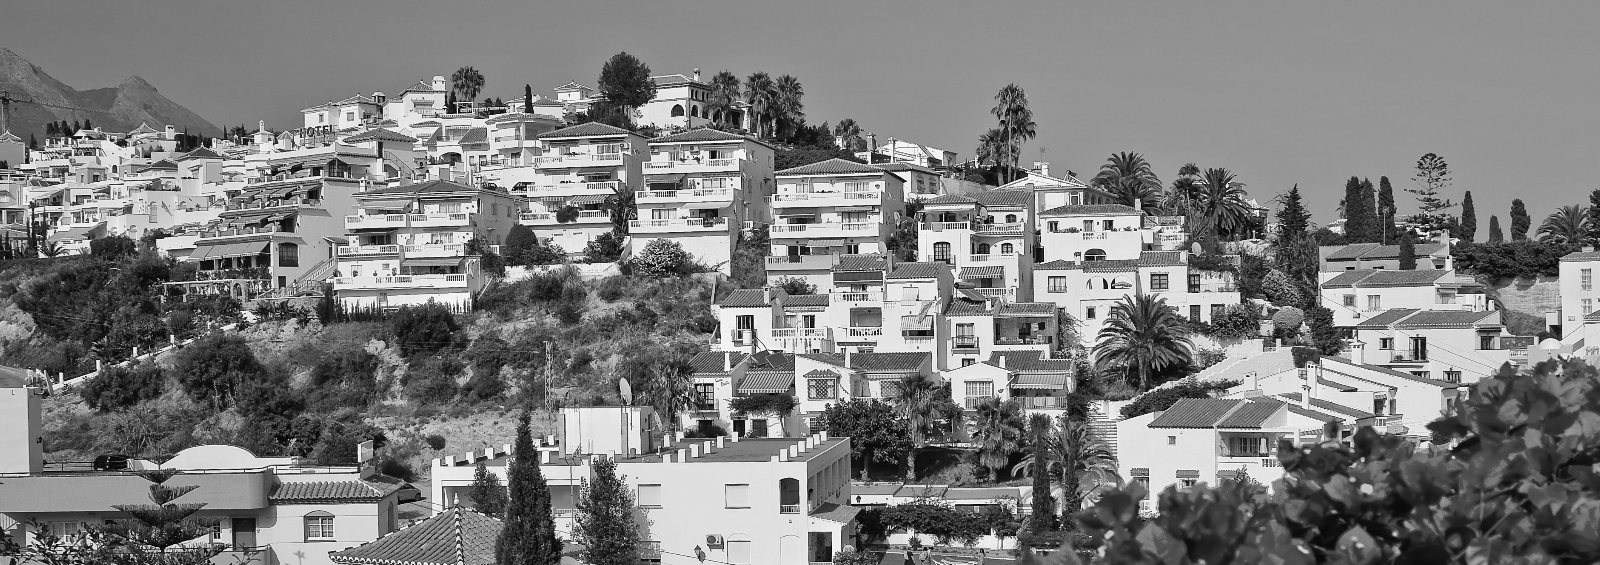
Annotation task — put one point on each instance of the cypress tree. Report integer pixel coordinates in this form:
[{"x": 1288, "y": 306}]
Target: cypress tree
[
  {"x": 33, "y": 142},
  {"x": 1469, "y": 218},
  {"x": 1594, "y": 217},
  {"x": 50, "y": 129},
  {"x": 1495, "y": 235},
  {"x": 529, "y": 536},
  {"x": 1386, "y": 211},
  {"x": 1369, "y": 209},
  {"x": 1408, "y": 252},
  {"x": 1355, "y": 215},
  {"x": 1293, "y": 219},
  {"x": 527, "y": 98},
  {"x": 87, "y": 124},
  {"x": 1520, "y": 221},
  {"x": 76, "y": 126},
  {"x": 488, "y": 495},
  {"x": 1043, "y": 505}
]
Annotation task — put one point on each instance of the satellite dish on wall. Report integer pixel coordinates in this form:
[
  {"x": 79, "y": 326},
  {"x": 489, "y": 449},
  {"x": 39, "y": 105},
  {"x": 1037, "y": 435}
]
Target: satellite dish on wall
[
  {"x": 1194, "y": 248},
  {"x": 625, "y": 391}
]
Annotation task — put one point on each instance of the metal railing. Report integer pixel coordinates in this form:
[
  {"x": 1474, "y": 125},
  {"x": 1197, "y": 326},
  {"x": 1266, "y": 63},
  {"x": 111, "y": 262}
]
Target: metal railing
[{"x": 864, "y": 331}]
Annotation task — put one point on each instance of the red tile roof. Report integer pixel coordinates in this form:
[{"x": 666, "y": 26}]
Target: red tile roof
[
  {"x": 332, "y": 491},
  {"x": 432, "y": 541}
]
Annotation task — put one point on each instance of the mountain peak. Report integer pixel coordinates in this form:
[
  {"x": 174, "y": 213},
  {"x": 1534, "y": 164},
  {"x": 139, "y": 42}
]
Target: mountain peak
[
  {"x": 135, "y": 81},
  {"x": 120, "y": 108}
]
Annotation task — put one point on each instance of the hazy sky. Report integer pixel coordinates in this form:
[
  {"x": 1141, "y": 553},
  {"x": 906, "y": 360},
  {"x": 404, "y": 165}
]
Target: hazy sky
[{"x": 1282, "y": 93}]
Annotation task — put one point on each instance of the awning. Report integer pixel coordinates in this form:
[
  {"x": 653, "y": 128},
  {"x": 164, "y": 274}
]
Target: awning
[
  {"x": 717, "y": 174},
  {"x": 664, "y": 177},
  {"x": 75, "y": 234},
  {"x": 583, "y": 199},
  {"x": 852, "y": 209},
  {"x": 766, "y": 383},
  {"x": 915, "y": 322},
  {"x": 432, "y": 262},
  {"x": 985, "y": 272},
  {"x": 283, "y": 191},
  {"x": 1040, "y": 381},
  {"x": 385, "y": 203},
  {"x": 243, "y": 249},
  {"x": 1188, "y": 474},
  {"x": 707, "y": 204},
  {"x": 825, "y": 243},
  {"x": 203, "y": 251}
]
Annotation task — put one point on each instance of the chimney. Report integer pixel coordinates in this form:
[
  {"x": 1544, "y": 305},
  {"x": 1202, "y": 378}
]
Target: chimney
[
  {"x": 847, "y": 364},
  {"x": 694, "y": 450},
  {"x": 683, "y": 455},
  {"x": 734, "y": 439},
  {"x": 1358, "y": 353},
  {"x": 1315, "y": 380},
  {"x": 823, "y": 435},
  {"x": 1588, "y": 248},
  {"x": 1138, "y": 204},
  {"x": 783, "y": 455},
  {"x": 379, "y": 97},
  {"x": 1002, "y": 357},
  {"x": 1255, "y": 381},
  {"x": 172, "y": 132},
  {"x": 872, "y": 145},
  {"x": 697, "y": 75},
  {"x": 1305, "y": 397},
  {"x": 1042, "y": 167},
  {"x": 439, "y": 83}
]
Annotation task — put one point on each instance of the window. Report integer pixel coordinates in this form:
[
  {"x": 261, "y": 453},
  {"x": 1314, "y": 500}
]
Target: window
[
  {"x": 978, "y": 391},
  {"x": 1088, "y": 226},
  {"x": 650, "y": 496},
  {"x": 1088, "y": 313},
  {"x": 1054, "y": 226},
  {"x": 1452, "y": 376},
  {"x": 1486, "y": 340},
  {"x": 1385, "y": 343},
  {"x": 1011, "y": 218},
  {"x": 1586, "y": 279},
  {"x": 1007, "y": 249},
  {"x": 852, "y": 248},
  {"x": 1246, "y": 446},
  {"x": 1109, "y": 225},
  {"x": 1158, "y": 281},
  {"x": 706, "y": 393},
  {"x": 965, "y": 361},
  {"x": 823, "y": 389},
  {"x": 1349, "y": 301},
  {"x": 677, "y": 110},
  {"x": 1588, "y": 306},
  {"x": 1374, "y": 303},
  {"x": 288, "y": 255},
  {"x": 1095, "y": 254},
  {"x": 737, "y": 496},
  {"x": 319, "y": 526},
  {"x": 739, "y": 552},
  {"x": 1419, "y": 348},
  {"x": 983, "y": 249},
  {"x": 758, "y": 428},
  {"x": 1194, "y": 313},
  {"x": 1194, "y": 283},
  {"x": 1172, "y": 440},
  {"x": 941, "y": 251},
  {"x": 66, "y": 530},
  {"x": 1216, "y": 311},
  {"x": 650, "y": 552},
  {"x": 1058, "y": 284},
  {"x": 1186, "y": 483}
]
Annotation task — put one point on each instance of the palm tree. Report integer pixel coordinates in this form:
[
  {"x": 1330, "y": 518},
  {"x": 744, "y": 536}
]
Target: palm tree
[
  {"x": 991, "y": 147},
  {"x": 1016, "y": 122},
  {"x": 467, "y": 82},
  {"x": 997, "y": 429},
  {"x": 762, "y": 95},
  {"x": 1184, "y": 191},
  {"x": 922, "y": 404},
  {"x": 790, "y": 112},
  {"x": 670, "y": 388},
  {"x": 1566, "y": 225},
  {"x": 724, "y": 93},
  {"x": 1087, "y": 466},
  {"x": 1221, "y": 202},
  {"x": 848, "y": 132},
  {"x": 1129, "y": 177},
  {"x": 1144, "y": 336}
]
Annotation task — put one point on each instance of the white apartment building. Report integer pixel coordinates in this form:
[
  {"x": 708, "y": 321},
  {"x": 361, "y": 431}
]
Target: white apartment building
[
  {"x": 980, "y": 327},
  {"x": 1038, "y": 383},
  {"x": 1106, "y": 231},
  {"x": 511, "y": 144},
  {"x": 581, "y": 167},
  {"x": 736, "y": 500},
  {"x": 701, "y": 187},
  {"x": 1578, "y": 295},
  {"x": 421, "y": 101},
  {"x": 681, "y": 101},
  {"x": 1088, "y": 290},
  {"x": 408, "y": 245},
  {"x": 831, "y": 208},
  {"x": 574, "y": 97},
  {"x": 1449, "y": 345},
  {"x": 988, "y": 237},
  {"x": 354, "y": 112},
  {"x": 902, "y": 151},
  {"x": 1052, "y": 191},
  {"x": 922, "y": 183},
  {"x": 1356, "y": 295}
]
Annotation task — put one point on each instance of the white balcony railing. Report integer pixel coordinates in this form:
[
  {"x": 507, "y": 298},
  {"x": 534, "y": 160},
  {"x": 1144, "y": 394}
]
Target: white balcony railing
[
  {"x": 800, "y": 333},
  {"x": 447, "y": 219},
  {"x": 434, "y": 250},
  {"x": 376, "y": 221},
  {"x": 354, "y": 250},
  {"x": 942, "y": 226},
  {"x": 400, "y": 281},
  {"x": 864, "y": 331}
]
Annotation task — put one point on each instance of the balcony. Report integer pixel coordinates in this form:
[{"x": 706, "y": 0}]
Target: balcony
[
  {"x": 435, "y": 250},
  {"x": 826, "y": 229},
  {"x": 967, "y": 342},
  {"x": 585, "y": 217},
  {"x": 450, "y": 220},
  {"x": 802, "y": 333},
  {"x": 814, "y": 199},
  {"x": 864, "y": 332},
  {"x": 1005, "y": 292},
  {"x": 1013, "y": 227},
  {"x": 942, "y": 226},
  {"x": 571, "y": 160},
  {"x": 678, "y": 225},
  {"x": 573, "y": 187},
  {"x": 695, "y": 166},
  {"x": 374, "y": 222},
  {"x": 789, "y": 509},
  {"x": 368, "y": 250},
  {"x": 1214, "y": 287},
  {"x": 851, "y": 297},
  {"x": 686, "y": 195},
  {"x": 1410, "y": 357},
  {"x": 800, "y": 262},
  {"x": 438, "y": 282}
]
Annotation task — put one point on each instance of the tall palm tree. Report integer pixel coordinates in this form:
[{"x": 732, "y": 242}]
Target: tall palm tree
[
  {"x": 790, "y": 110},
  {"x": 1222, "y": 202},
  {"x": 1566, "y": 225},
  {"x": 1129, "y": 177},
  {"x": 923, "y": 404},
  {"x": 762, "y": 96},
  {"x": 1016, "y": 123},
  {"x": 992, "y": 147},
  {"x": 848, "y": 132},
  {"x": 1087, "y": 466},
  {"x": 467, "y": 82},
  {"x": 724, "y": 93},
  {"x": 997, "y": 429},
  {"x": 1142, "y": 335},
  {"x": 670, "y": 388},
  {"x": 1185, "y": 189}
]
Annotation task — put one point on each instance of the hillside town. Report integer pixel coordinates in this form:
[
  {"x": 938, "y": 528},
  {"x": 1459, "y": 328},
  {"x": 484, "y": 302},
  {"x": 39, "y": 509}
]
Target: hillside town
[{"x": 674, "y": 323}]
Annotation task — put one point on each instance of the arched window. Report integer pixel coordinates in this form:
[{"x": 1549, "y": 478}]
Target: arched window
[
  {"x": 1121, "y": 282},
  {"x": 789, "y": 495},
  {"x": 319, "y": 526},
  {"x": 694, "y": 111},
  {"x": 1011, "y": 218},
  {"x": 677, "y": 110},
  {"x": 941, "y": 251},
  {"x": 1095, "y": 254},
  {"x": 1098, "y": 283},
  {"x": 1007, "y": 249},
  {"x": 288, "y": 255},
  {"x": 983, "y": 249}
]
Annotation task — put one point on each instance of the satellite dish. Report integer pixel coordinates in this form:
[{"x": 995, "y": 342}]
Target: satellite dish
[
  {"x": 1194, "y": 248},
  {"x": 625, "y": 390}
]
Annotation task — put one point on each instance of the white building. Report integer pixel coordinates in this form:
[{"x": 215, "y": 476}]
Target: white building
[
  {"x": 1578, "y": 295},
  {"x": 1449, "y": 345},
  {"x": 701, "y": 187},
  {"x": 988, "y": 237},
  {"x": 831, "y": 208},
  {"x": 581, "y": 167},
  {"x": 1356, "y": 295},
  {"x": 1088, "y": 290}
]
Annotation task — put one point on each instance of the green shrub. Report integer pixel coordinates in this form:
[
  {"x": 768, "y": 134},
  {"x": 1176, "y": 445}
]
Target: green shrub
[
  {"x": 1163, "y": 398},
  {"x": 121, "y": 387},
  {"x": 663, "y": 258},
  {"x": 435, "y": 441},
  {"x": 429, "y": 327},
  {"x": 433, "y": 381},
  {"x": 214, "y": 367},
  {"x": 604, "y": 248},
  {"x": 612, "y": 288}
]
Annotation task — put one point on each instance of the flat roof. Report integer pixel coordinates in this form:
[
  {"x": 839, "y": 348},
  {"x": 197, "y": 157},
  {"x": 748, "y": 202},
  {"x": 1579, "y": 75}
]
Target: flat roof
[{"x": 747, "y": 450}]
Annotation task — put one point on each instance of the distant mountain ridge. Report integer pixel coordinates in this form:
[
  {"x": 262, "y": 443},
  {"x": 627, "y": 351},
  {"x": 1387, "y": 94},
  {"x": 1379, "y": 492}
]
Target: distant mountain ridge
[{"x": 119, "y": 108}]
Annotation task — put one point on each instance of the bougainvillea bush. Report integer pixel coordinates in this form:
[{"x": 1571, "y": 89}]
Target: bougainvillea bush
[{"x": 1512, "y": 479}]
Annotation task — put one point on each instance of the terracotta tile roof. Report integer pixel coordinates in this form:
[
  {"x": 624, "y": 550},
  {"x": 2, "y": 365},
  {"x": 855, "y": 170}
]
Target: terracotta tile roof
[
  {"x": 1003, "y": 198},
  {"x": 771, "y": 361},
  {"x": 1334, "y": 407},
  {"x": 331, "y": 491},
  {"x": 1040, "y": 381},
  {"x": 591, "y": 129},
  {"x": 1384, "y": 370},
  {"x": 920, "y": 270},
  {"x": 381, "y": 134},
  {"x": 1374, "y": 251},
  {"x": 1056, "y": 265},
  {"x": 475, "y": 135},
  {"x": 949, "y": 199},
  {"x": 1111, "y": 266},
  {"x": 201, "y": 153},
  {"x": 1386, "y": 317},
  {"x": 1249, "y": 415},
  {"x": 767, "y": 382},
  {"x": 1162, "y": 259},
  {"x": 421, "y": 188},
  {"x": 1195, "y": 413},
  {"x": 431, "y": 542},
  {"x": 1026, "y": 309},
  {"x": 711, "y": 362},
  {"x": 889, "y": 362},
  {"x": 1294, "y": 408},
  {"x": 702, "y": 135},
  {"x": 806, "y": 300},
  {"x": 745, "y": 298},
  {"x": 1090, "y": 210},
  {"x": 904, "y": 166},
  {"x": 984, "y": 272},
  {"x": 1384, "y": 277},
  {"x": 1582, "y": 256},
  {"x": 1029, "y": 361},
  {"x": 822, "y": 374},
  {"x": 967, "y": 307},
  {"x": 420, "y": 86},
  {"x": 675, "y": 79},
  {"x": 1447, "y": 319},
  {"x": 162, "y": 164},
  {"x": 835, "y": 359},
  {"x": 861, "y": 263},
  {"x": 833, "y": 166},
  {"x": 842, "y": 514}
]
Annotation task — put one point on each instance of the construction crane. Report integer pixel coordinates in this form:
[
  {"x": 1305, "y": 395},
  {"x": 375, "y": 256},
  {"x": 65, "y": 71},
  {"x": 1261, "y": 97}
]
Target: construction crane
[{"x": 7, "y": 98}]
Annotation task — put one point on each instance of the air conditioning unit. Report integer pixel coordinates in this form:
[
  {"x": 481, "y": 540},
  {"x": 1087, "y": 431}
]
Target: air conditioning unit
[
  {"x": 713, "y": 541},
  {"x": 1356, "y": 315}
]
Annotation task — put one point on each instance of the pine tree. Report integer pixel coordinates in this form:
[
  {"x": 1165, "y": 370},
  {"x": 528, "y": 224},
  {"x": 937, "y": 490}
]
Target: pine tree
[
  {"x": 527, "y": 98},
  {"x": 529, "y": 536},
  {"x": 1408, "y": 252},
  {"x": 1369, "y": 198},
  {"x": 488, "y": 496},
  {"x": 1495, "y": 235},
  {"x": 76, "y": 127},
  {"x": 450, "y": 102},
  {"x": 1293, "y": 219},
  {"x": 1594, "y": 217},
  {"x": 1520, "y": 221},
  {"x": 1469, "y": 218},
  {"x": 1355, "y": 215},
  {"x": 163, "y": 523},
  {"x": 606, "y": 526},
  {"x": 1386, "y": 211},
  {"x": 1433, "y": 175}
]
